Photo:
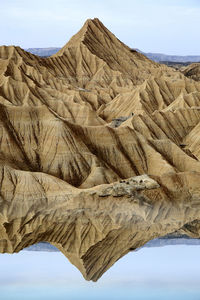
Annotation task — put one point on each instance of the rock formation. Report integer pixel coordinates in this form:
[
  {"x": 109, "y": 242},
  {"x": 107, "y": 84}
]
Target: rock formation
[
  {"x": 192, "y": 71},
  {"x": 71, "y": 178}
]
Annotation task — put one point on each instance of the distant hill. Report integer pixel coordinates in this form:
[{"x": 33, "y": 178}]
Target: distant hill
[
  {"x": 158, "y": 57},
  {"x": 159, "y": 242},
  {"x": 43, "y": 51}
]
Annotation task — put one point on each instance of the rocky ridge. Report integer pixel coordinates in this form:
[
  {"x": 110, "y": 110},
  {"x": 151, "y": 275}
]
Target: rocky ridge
[
  {"x": 192, "y": 71},
  {"x": 71, "y": 178}
]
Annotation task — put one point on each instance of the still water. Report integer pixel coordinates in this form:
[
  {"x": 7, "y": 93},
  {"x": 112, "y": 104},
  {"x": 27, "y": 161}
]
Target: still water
[{"x": 170, "y": 272}]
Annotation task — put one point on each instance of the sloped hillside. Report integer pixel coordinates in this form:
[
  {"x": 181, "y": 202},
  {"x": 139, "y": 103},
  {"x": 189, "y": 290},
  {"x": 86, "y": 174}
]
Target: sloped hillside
[{"x": 99, "y": 150}]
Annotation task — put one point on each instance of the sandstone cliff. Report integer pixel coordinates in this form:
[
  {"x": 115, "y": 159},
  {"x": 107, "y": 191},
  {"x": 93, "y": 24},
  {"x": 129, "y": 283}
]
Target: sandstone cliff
[{"x": 72, "y": 178}]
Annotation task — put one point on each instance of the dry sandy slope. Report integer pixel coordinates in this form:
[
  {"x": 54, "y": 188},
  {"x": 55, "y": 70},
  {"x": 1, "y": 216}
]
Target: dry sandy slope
[
  {"x": 69, "y": 176},
  {"x": 192, "y": 71}
]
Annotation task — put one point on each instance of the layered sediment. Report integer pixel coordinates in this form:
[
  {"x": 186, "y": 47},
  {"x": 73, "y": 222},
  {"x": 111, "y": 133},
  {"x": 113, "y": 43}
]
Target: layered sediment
[{"x": 99, "y": 150}]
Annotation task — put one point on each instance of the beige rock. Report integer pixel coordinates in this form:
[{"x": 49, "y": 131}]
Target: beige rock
[
  {"x": 192, "y": 71},
  {"x": 68, "y": 176}
]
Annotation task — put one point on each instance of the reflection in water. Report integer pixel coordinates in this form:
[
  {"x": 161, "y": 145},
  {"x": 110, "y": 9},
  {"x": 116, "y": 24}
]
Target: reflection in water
[
  {"x": 159, "y": 242},
  {"x": 171, "y": 272}
]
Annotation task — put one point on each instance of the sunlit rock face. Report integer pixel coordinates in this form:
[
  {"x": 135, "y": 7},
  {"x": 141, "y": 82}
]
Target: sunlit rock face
[
  {"x": 72, "y": 177},
  {"x": 192, "y": 71}
]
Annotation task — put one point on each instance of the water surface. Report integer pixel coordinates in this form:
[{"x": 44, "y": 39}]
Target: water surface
[{"x": 170, "y": 272}]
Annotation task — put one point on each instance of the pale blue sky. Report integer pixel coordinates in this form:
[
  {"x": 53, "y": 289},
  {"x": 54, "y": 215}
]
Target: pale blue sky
[{"x": 166, "y": 26}]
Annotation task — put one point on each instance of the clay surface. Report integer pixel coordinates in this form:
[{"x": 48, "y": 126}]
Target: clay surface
[{"x": 99, "y": 150}]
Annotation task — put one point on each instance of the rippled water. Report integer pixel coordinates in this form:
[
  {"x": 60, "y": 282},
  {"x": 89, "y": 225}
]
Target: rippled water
[{"x": 171, "y": 272}]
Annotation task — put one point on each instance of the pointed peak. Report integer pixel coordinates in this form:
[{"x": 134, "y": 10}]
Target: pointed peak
[
  {"x": 90, "y": 24},
  {"x": 94, "y": 21},
  {"x": 94, "y": 26}
]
